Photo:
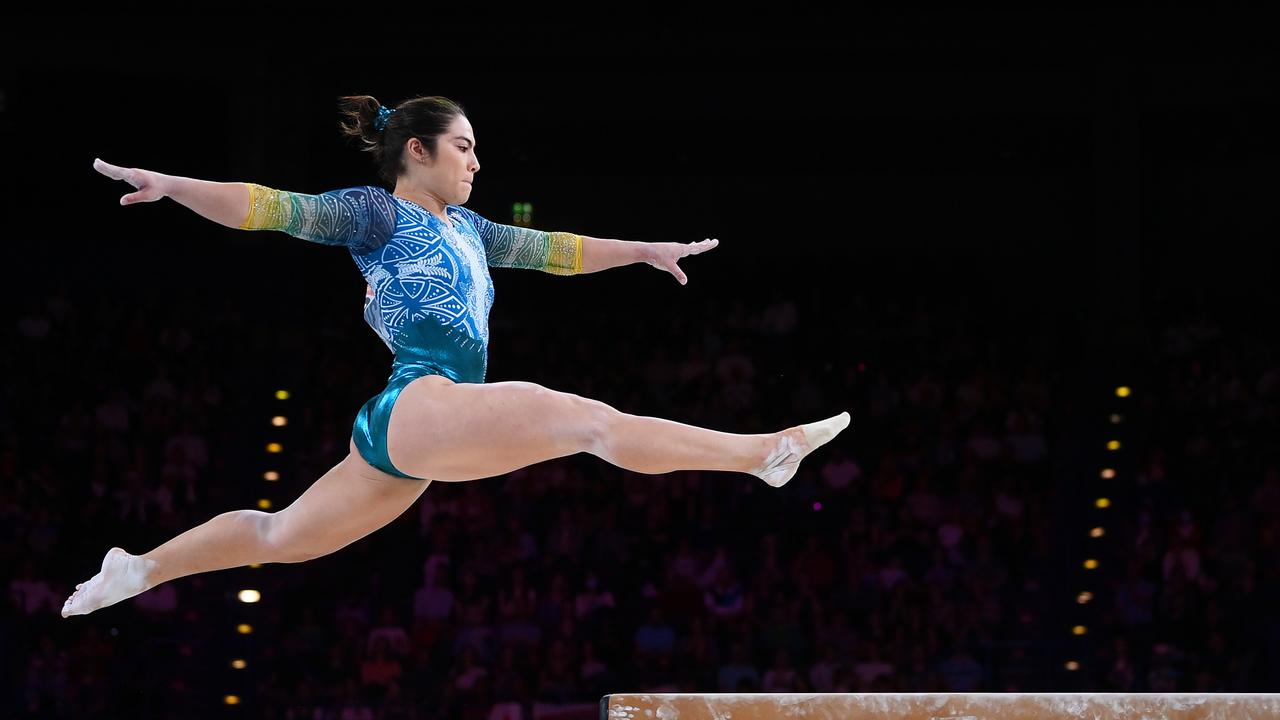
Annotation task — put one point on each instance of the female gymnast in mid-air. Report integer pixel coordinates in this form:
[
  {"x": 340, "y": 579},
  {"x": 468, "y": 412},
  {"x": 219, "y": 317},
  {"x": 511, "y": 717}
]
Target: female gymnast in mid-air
[{"x": 426, "y": 258}]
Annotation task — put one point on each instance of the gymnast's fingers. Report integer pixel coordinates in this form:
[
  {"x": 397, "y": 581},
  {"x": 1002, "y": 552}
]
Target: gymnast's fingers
[
  {"x": 134, "y": 177},
  {"x": 114, "y": 172},
  {"x": 705, "y": 245},
  {"x": 146, "y": 194},
  {"x": 147, "y": 184},
  {"x": 680, "y": 276}
]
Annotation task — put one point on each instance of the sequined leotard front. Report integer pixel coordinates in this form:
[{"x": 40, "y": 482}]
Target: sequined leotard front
[{"x": 429, "y": 291}]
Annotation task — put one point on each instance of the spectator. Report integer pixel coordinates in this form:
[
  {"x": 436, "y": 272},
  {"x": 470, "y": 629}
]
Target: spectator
[{"x": 738, "y": 670}]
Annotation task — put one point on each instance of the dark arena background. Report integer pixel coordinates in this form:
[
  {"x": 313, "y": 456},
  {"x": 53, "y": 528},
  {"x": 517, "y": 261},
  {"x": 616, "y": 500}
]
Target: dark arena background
[{"x": 1032, "y": 253}]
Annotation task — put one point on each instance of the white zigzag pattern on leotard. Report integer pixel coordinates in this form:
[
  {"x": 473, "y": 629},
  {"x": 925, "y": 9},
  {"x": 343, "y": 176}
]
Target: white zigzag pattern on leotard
[{"x": 427, "y": 270}]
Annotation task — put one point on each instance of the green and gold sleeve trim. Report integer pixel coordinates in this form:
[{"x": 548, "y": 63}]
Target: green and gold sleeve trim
[
  {"x": 564, "y": 257},
  {"x": 269, "y": 209}
]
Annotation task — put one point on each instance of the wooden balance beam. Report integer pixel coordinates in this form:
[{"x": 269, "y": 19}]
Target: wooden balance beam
[{"x": 940, "y": 706}]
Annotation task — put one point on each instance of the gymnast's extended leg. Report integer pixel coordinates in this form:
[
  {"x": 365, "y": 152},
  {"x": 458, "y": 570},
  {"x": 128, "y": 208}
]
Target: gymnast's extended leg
[
  {"x": 464, "y": 431},
  {"x": 451, "y": 432},
  {"x": 348, "y": 502}
]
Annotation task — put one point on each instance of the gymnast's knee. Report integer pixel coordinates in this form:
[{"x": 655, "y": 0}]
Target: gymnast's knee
[
  {"x": 600, "y": 425},
  {"x": 283, "y": 545}
]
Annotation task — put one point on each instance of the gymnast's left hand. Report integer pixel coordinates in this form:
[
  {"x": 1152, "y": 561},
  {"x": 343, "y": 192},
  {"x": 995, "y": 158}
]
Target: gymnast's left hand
[{"x": 664, "y": 255}]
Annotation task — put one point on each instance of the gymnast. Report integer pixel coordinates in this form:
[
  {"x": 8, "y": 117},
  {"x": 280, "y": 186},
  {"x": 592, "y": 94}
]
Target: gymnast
[{"x": 425, "y": 259}]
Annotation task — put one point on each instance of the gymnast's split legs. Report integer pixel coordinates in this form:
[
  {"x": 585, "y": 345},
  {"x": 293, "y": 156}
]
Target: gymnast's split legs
[{"x": 452, "y": 432}]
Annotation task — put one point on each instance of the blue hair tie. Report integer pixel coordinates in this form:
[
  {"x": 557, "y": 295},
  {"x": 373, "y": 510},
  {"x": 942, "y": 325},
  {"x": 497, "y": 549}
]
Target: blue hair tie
[{"x": 384, "y": 113}]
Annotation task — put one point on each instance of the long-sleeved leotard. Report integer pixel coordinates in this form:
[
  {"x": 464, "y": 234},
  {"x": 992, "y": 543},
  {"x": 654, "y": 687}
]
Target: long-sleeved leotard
[
  {"x": 416, "y": 265},
  {"x": 429, "y": 286}
]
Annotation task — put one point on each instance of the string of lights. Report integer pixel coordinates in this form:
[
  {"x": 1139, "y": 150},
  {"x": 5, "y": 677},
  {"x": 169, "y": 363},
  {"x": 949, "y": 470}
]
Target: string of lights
[
  {"x": 248, "y": 597},
  {"x": 1102, "y": 506}
]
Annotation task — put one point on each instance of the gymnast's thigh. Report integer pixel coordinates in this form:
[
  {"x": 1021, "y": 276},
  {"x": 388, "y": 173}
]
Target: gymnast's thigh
[
  {"x": 453, "y": 432},
  {"x": 348, "y": 502}
]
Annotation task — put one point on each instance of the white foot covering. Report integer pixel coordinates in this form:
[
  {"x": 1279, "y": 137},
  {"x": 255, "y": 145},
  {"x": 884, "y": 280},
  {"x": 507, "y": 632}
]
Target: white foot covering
[
  {"x": 122, "y": 576},
  {"x": 794, "y": 444}
]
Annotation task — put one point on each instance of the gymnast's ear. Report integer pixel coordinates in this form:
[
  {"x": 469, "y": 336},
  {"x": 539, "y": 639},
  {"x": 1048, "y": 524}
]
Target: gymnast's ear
[{"x": 416, "y": 150}]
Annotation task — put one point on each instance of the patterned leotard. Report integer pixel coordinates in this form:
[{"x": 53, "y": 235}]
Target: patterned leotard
[{"x": 429, "y": 291}]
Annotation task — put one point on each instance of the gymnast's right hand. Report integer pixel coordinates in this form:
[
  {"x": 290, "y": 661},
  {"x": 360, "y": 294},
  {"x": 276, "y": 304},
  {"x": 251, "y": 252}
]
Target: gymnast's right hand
[{"x": 150, "y": 185}]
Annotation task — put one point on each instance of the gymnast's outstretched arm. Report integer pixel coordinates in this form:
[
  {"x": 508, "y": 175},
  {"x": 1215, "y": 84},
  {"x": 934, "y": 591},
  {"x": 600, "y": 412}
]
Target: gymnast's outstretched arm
[
  {"x": 513, "y": 246},
  {"x": 357, "y": 217},
  {"x": 225, "y": 203},
  {"x": 565, "y": 253}
]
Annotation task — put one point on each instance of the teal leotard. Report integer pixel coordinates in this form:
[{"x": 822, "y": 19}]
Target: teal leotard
[{"x": 429, "y": 290}]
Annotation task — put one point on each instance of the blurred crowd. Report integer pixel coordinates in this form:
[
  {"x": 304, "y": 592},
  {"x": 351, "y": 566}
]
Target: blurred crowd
[
  {"x": 920, "y": 551},
  {"x": 1192, "y": 605}
]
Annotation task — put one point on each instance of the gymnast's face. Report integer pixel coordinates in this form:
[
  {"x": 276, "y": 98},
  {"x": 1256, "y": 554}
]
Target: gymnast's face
[{"x": 449, "y": 175}]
